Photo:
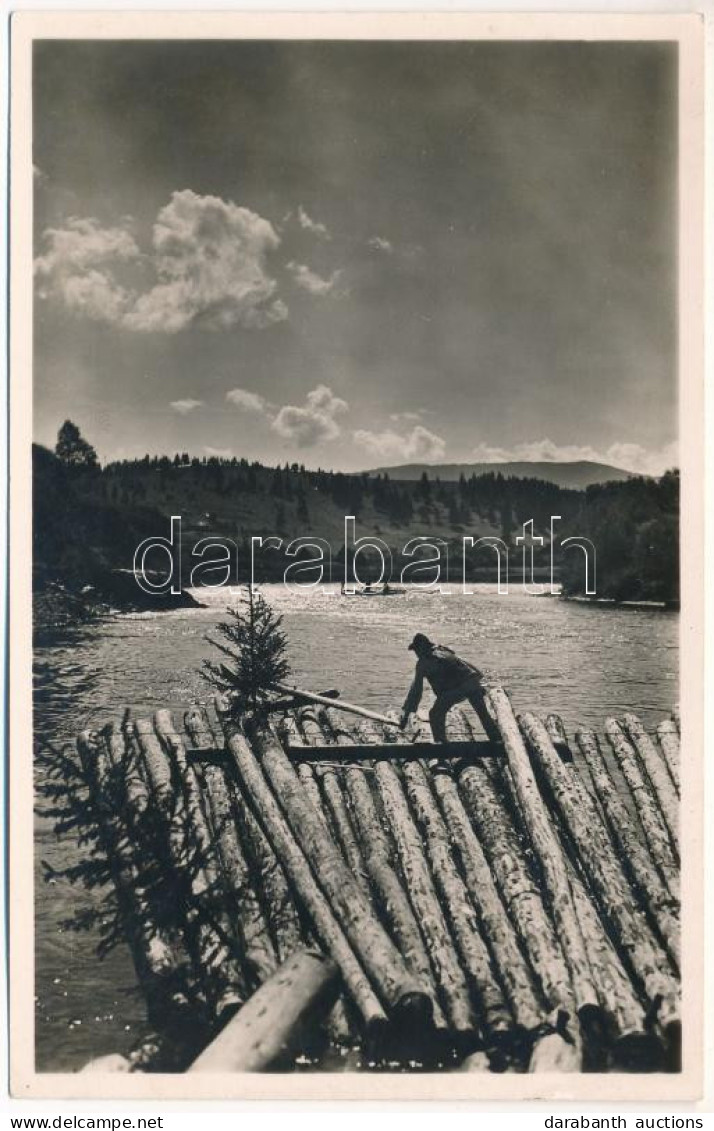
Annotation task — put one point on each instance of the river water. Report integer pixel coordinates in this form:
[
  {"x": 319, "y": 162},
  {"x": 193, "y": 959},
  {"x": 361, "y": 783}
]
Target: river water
[{"x": 583, "y": 662}]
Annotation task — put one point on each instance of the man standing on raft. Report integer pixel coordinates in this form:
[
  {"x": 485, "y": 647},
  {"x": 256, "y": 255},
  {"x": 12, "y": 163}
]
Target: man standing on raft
[{"x": 452, "y": 680}]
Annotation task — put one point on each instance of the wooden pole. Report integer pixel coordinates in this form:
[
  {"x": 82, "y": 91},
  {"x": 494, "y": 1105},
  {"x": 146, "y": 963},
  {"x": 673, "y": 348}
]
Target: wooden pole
[
  {"x": 661, "y": 904},
  {"x": 548, "y": 849},
  {"x": 337, "y": 704},
  {"x": 402, "y": 995},
  {"x": 654, "y": 828},
  {"x": 648, "y": 962},
  {"x": 515, "y": 974},
  {"x": 326, "y": 926},
  {"x": 668, "y": 738},
  {"x": 271, "y": 1027},
  {"x": 658, "y": 774}
]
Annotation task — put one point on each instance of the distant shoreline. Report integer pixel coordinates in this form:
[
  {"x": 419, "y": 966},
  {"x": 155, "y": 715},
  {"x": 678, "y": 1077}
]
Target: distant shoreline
[{"x": 611, "y": 602}]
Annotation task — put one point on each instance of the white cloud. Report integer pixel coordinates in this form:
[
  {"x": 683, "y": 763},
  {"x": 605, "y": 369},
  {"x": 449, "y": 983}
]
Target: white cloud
[
  {"x": 630, "y": 457},
  {"x": 634, "y": 457},
  {"x": 313, "y": 226},
  {"x": 247, "y": 401},
  {"x": 418, "y": 446},
  {"x": 78, "y": 267},
  {"x": 209, "y": 257},
  {"x": 310, "y": 281},
  {"x": 185, "y": 406},
  {"x": 314, "y": 422},
  {"x": 218, "y": 453},
  {"x": 379, "y": 244},
  {"x": 407, "y": 417}
]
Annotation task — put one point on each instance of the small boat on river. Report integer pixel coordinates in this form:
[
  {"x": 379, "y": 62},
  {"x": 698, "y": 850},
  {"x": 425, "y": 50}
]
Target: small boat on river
[{"x": 376, "y": 591}]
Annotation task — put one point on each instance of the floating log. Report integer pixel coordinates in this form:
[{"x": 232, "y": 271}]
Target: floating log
[
  {"x": 341, "y": 821},
  {"x": 402, "y": 995},
  {"x": 157, "y": 964},
  {"x": 633, "y": 1043},
  {"x": 548, "y": 849},
  {"x": 651, "y": 819},
  {"x": 338, "y": 1023},
  {"x": 223, "y": 921},
  {"x": 309, "y": 782},
  {"x": 216, "y": 966},
  {"x": 417, "y": 877},
  {"x": 277, "y": 900},
  {"x": 519, "y": 891},
  {"x": 668, "y": 738},
  {"x": 313, "y": 731},
  {"x": 558, "y": 736},
  {"x": 271, "y": 1026},
  {"x": 656, "y": 896},
  {"x": 379, "y": 861},
  {"x": 260, "y": 958},
  {"x": 167, "y": 946},
  {"x": 658, "y": 774},
  {"x": 310, "y": 729},
  {"x": 293, "y": 860},
  {"x": 649, "y": 964},
  {"x": 514, "y": 972},
  {"x": 157, "y": 765},
  {"x": 496, "y": 1018}
]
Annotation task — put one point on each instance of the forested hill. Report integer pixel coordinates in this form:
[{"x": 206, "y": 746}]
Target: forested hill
[
  {"x": 88, "y": 519},
  {"x": 575, "y": 474}
]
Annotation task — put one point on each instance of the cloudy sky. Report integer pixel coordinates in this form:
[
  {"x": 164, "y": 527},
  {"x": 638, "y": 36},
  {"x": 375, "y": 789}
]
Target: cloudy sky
[{"x": 358, "y": 254}]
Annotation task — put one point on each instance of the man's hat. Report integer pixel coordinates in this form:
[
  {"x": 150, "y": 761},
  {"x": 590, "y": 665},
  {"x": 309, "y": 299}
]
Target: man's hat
[{"x": 419, "y": 643}]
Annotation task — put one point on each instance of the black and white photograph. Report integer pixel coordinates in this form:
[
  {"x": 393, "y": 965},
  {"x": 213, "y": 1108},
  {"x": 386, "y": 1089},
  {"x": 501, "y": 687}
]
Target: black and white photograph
[{"x": 360, "y": 417}]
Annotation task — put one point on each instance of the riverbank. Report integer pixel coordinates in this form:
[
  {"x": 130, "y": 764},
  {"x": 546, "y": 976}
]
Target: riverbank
[{"x": 56, "y": 605}]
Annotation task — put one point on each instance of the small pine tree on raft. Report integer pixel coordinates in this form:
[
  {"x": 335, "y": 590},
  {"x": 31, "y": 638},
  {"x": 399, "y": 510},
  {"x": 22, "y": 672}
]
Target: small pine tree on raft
[{"x": 256, "y": 647}]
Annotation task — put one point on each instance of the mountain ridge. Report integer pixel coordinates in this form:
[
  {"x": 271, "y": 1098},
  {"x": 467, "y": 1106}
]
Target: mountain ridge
[{"x": 575, "y": 474}]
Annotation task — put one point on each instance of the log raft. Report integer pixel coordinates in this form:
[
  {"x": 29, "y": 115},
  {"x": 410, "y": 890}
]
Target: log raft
[{"x": 309, "y": 887}]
